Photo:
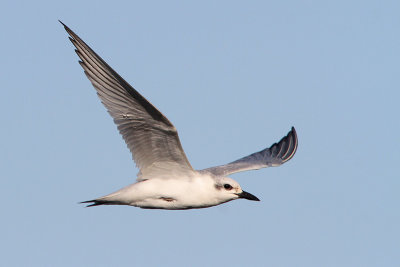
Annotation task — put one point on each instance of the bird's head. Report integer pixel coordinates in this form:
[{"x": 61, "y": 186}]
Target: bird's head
[{"x": 228, "y": 189}]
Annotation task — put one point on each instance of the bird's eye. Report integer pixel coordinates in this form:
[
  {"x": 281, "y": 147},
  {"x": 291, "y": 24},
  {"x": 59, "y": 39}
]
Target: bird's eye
[{"x": 227, "y": 186}]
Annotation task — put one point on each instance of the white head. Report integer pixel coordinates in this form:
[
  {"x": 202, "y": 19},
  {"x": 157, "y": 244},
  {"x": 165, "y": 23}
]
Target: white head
[{"x": 228, "y": 189}]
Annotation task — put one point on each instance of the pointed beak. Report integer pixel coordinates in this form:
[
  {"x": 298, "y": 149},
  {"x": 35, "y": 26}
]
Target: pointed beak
[{"x": 248, "y": 196}]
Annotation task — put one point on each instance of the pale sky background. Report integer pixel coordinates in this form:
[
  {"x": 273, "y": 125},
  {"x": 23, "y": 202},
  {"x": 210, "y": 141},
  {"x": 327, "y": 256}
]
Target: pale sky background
[{"x": 233, "y": 77}]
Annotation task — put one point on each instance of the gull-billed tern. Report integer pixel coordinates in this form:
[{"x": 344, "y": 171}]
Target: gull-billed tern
[{"x": 166, "y": 179}]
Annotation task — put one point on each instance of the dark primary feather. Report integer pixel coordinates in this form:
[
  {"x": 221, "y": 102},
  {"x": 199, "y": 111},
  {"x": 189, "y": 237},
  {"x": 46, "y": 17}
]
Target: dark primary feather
[{"x": 275, "y": 155}]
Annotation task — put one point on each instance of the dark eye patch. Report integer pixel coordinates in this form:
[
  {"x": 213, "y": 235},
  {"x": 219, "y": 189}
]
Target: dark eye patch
[{"x": 227, "y": 186}]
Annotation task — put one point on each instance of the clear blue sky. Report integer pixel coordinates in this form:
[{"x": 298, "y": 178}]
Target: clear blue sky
[{"x": 233, "y": 77}]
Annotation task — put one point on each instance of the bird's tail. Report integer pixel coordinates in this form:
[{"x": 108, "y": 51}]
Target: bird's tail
[
  {"x": 98, "y": 202},
  {"x": 111, "y": 199},
  {"x": 120, "y": 197}
]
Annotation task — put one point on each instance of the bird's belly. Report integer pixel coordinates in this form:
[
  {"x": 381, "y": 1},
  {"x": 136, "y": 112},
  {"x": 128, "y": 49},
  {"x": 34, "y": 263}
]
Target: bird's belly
[{"x": 172, "y": 194}]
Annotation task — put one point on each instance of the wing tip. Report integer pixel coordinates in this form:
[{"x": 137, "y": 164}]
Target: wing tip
[
  {"x": 65, "y": 26},
  {"x": 285, "y": 149},
  {"x": 293, "y": 144},
  {"x": 73, "y": 35}
]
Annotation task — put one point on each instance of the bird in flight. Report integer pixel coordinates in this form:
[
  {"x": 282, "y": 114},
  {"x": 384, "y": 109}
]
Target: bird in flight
[{"x": 166, "y": 180}]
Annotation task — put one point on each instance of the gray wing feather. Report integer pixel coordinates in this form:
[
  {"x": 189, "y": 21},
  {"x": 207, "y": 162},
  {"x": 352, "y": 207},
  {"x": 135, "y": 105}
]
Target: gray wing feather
[
  {"x": 275, "y": 155},
  {"x": 150, "y": 136}
]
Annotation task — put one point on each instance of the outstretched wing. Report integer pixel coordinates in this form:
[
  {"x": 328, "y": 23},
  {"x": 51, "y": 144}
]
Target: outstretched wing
[
  {"x": 151, "y": 137},
  {"x": 273, "y": 156}
]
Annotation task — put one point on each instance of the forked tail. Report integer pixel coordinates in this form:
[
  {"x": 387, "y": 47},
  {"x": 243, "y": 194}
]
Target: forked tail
[{"x": 98, "y": 202}]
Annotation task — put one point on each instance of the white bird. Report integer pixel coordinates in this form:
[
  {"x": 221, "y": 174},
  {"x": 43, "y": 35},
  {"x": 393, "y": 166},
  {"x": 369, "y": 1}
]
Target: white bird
[{"x": 166, "y": 180}]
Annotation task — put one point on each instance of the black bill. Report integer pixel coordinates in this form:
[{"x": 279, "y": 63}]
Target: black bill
[{"x": 248, "y": 196}]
